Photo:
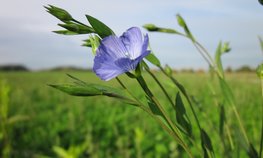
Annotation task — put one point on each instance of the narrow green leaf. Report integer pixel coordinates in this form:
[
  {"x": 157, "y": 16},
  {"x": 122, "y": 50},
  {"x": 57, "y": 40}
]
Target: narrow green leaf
[
  {"x": 155, "y": 110},
  {"x": 101, "y": 29},
  {"x": 182, "y": 23},
  {"x": 181, "y": 115},
  {"x": 77, "y": 28},
  {"x": 252, "y": 152},
  {"x": 153, "y": 59},
  {"x": 77, "y": 81},
  {"x": 65, "y": 32},
  {"x": 77, "y": 90},
  {"x": 206, "y": 141},
  {"x": 222, "y": 118}
]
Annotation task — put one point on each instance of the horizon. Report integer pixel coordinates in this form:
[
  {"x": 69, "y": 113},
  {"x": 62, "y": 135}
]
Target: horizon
[{"x": 27, "y": 38}]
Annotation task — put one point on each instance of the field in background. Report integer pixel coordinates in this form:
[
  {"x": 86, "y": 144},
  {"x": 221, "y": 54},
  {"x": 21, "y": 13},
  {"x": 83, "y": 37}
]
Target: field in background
[{"x": 103, "y": 127}]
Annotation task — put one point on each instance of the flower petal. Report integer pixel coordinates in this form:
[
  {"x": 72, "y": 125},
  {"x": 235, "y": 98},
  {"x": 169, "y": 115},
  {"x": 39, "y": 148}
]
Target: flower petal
[
  {"x": 133, "y": 41},
  {"x": 126, "y": 64},
  {"x": 104, "y": 66},
  {"x": 113, "y": 46}
]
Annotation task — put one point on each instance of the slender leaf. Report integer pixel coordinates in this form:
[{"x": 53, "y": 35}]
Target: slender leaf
[
  {"x": 65, "y": 32},
  {"x": 206, "y": 143},
  {"x": 153, "y": 59},
  {"x": 77, "y": 90},
  {"x": 77, "y": 28},
  {"x": 182, "y": 23},
  {"x": 222, "y": 120},
  {"x": 101, "y": 29},
  {"x": 181, "y": 115},
  {"x": 155, "y": 110},
  {"x": 252, "y": 152}
]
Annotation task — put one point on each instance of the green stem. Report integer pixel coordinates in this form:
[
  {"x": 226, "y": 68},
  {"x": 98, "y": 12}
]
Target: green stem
[
  {"x": 181, "y": 88},
  {"x": 147, "y": 110},
  {"x": 176, "y": 131},
  {"x": 261, "y": 139},
  {"x": 210, "y": 61},
  {"x": 161, "y": 86},
  {"x": 76, "y": 21}
]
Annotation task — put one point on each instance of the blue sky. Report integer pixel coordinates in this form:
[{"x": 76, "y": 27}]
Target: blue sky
[{"x": 26, "y": 37}]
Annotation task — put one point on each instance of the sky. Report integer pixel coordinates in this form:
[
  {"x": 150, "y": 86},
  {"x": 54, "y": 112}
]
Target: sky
[{"x": 26, "y": 30}]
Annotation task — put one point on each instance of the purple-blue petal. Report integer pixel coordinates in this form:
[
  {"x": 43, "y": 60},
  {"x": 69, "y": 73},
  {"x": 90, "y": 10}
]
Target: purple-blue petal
[
  {"x": 113, "y": 46},
  {"x": 133, "y": 41},
  {"x": 116, "y": 55}
]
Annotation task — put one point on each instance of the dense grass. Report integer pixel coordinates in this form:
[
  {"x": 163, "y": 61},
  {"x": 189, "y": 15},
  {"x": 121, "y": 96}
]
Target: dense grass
[{"x": 104, "y": 127}]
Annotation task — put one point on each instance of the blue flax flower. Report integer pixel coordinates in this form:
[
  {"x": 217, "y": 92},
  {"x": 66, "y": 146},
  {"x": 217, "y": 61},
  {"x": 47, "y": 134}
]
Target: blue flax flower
[{"x": 117, "y": 55}]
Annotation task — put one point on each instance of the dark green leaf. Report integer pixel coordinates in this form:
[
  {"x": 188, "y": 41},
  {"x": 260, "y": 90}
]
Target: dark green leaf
[
  {"x": 101, "y": 29},
  {"x": 252, "y": 152},
  {"x": 65, "y": 32},
  {"x": 206, "y": 141},
  {"x": 59, "y": 13},
  {"x": 222, "y": 120},
  {"x": 77, "y": 28},
  {"x": 153, "y": 59},
  {"x": 138, "y": 70},
  {"x": 261, "y": 2},
  {"x": 155, "y": 110},
  {"x": 181, "y": 115},
  {"x": 77, "y": 90},
  {"x": 182, "y": 23}
]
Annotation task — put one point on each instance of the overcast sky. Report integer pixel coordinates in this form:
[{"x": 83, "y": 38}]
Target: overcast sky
[{"x": 26, "y": 37}]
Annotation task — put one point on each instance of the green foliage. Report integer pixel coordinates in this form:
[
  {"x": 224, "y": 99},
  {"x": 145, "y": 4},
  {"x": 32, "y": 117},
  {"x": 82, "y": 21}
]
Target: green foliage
[
  {"x": 221, "y": 49},
  {"x": 181, "y": 115},
  {"x": 182, "y": 23},
  {"x": 101, "y": 29},
  {"x": 260, "y": 71},
  {"x": 105, "y": 125},
  {"x": 153, "y": 59},
  {"x": 76, "y": 28}
]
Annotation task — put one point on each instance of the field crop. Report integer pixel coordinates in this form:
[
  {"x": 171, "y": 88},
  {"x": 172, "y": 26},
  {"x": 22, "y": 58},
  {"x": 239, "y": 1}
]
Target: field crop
[{"x": 54, "y": 124}]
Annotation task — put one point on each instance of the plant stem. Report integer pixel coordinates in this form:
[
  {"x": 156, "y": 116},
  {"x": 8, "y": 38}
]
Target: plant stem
[
  {"x": 181, "y": 88},
  {"x": 161, "y": 86},
  {"x": 261, "y": 139},
  {"x": 171, "y": 132}
]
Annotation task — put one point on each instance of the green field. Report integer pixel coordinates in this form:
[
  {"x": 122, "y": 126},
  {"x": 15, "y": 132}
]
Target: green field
[{"x": 55, "y": 123}]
